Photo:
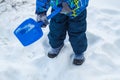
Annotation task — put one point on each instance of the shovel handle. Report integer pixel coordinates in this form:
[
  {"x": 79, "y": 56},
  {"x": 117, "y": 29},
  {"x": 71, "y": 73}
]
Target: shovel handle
[{"x": 57, "y": 10}]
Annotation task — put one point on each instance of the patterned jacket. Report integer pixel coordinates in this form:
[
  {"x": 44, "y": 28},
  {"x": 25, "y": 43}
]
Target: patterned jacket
[{"x": 77, "y": 6}]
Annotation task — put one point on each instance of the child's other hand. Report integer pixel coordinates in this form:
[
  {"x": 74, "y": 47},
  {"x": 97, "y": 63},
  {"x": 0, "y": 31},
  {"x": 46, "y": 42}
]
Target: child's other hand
[{"x": 66, "y": 9}]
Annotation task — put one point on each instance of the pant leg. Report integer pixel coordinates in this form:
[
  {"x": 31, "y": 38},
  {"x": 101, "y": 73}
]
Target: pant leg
[
  {"x": 77, "y": 35},
  {"x": 57, "y": 32}
]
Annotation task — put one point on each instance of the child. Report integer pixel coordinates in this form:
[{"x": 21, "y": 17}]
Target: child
[{"x": 71, "y": 19}]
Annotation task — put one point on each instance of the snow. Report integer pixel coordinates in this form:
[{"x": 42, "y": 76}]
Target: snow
[{"x": 31, "y": 63}]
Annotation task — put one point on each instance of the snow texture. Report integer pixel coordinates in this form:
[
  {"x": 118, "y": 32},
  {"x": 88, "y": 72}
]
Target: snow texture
[{"x": 31, "y": 63}]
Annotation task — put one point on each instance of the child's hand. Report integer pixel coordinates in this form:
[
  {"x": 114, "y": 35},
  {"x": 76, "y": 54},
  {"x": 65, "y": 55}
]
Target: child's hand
[
  {"x": 66, "y": 9},
  {"x": 42, "y": 17}
]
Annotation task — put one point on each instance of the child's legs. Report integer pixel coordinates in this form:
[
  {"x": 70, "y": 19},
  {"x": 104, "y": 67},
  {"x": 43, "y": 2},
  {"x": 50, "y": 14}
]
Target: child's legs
[
  {"x": 58, "y": 29},
  {"x": 76, "y": 31}
]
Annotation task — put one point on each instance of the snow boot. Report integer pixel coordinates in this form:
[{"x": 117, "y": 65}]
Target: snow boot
[
  {"x": 54, "y": 51},
  {"x": 78, "y": 59}
]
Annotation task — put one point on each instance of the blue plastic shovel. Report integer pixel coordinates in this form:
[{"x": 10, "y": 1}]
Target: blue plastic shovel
[{"x": 30, "y": 31}]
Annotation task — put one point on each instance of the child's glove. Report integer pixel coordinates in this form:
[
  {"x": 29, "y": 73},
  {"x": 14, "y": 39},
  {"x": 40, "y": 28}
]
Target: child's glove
[
  {"x": 42, "y": 17},
  {"x": 66, "y": 9}
]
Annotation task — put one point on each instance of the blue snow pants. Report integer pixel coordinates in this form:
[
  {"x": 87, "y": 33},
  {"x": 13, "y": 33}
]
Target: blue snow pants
[{"x": 76, "y": 28}]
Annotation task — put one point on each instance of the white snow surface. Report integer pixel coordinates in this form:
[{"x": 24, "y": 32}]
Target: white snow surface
[{"x": 31, "y": 63}]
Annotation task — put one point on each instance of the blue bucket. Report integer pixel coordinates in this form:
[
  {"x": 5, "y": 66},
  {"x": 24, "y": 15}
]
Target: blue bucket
[{"x": 29, "y": 31}]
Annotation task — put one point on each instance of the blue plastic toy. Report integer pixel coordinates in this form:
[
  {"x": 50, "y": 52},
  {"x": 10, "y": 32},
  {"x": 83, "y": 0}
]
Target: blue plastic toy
[{"x": 30, "y": 31}]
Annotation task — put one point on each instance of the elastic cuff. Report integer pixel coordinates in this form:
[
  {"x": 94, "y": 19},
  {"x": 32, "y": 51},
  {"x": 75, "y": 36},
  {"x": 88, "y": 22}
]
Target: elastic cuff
[{"x": 38, "y": 13}]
